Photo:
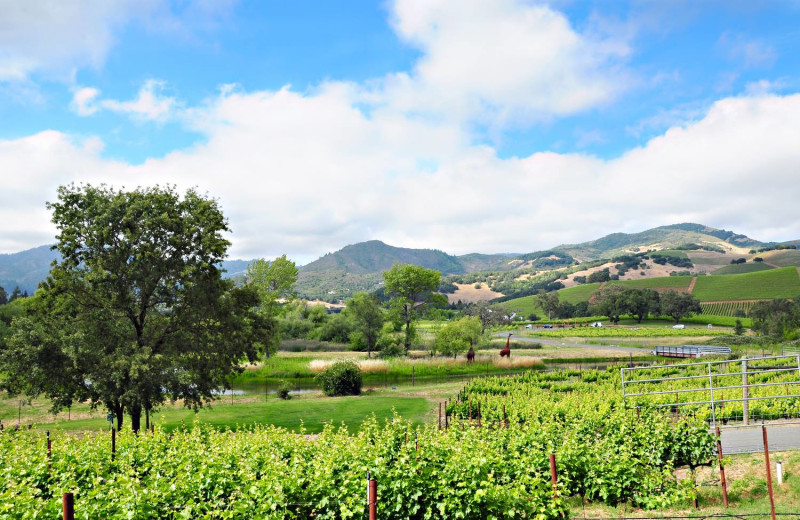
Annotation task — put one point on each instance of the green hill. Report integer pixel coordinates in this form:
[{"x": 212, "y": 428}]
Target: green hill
[{"x": 375, "y": 257}]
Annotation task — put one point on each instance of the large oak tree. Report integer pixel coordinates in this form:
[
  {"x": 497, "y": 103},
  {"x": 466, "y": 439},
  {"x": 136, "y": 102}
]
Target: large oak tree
[{"x": 136, "y": 312}]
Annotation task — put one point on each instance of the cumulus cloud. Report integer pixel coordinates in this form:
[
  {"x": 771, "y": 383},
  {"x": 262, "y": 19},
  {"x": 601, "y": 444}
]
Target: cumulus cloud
[
  {"x": 501, "y": 62},
  {"x": 309, "y": 173},
  {"x": 150, "y": 104}
]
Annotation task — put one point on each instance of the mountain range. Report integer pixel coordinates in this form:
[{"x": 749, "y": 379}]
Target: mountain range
[{"x": 359, "y": 266}]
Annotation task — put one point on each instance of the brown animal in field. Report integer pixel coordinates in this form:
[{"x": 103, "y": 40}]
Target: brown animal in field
[
  {"x": 470, "y": 355},
  {"x": 506, "y": 352}
]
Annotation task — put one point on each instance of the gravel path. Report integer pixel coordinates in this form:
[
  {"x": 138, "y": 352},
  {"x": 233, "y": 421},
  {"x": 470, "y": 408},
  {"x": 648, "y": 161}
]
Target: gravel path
[{"x": 615, "y": 348}]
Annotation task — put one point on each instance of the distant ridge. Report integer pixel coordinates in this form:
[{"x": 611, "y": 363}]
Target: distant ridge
[
  {"x": 26, "y": 268},
  {"x": 358, "y": 267},
  {"x": 663, "y": 237}
]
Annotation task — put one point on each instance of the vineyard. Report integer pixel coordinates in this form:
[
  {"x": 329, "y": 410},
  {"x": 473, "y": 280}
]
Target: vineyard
[
  {"x": 729, "y": 308},
  {"x": 627, "y": 332},
  {"x": 777, "y": 378},
  {"x": 495, "y": 465},
  {"x": 606, "y": 452}
]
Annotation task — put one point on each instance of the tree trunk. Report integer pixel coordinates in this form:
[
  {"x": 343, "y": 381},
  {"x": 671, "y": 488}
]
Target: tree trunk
[
  {"x": 136, "y": 417},
  {"x": 119, "y": 414}
]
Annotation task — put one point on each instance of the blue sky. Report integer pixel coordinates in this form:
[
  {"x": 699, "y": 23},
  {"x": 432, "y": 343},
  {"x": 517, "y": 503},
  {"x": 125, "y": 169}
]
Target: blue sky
[{"x": 471, "y": 126}]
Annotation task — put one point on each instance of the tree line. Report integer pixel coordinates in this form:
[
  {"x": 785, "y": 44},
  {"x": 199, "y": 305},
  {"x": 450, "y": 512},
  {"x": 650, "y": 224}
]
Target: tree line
[{"x": 615, "y": 301}]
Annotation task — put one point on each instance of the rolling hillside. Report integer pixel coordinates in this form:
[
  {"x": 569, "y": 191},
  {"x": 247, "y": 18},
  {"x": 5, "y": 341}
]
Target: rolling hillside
[
  {"x": 671, "y": 250},
  {"x": 718, "y": 294},
  {"x": 664, "y": 237}
]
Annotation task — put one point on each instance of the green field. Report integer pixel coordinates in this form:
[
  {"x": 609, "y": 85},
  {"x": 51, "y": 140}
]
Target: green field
[
  {"x": 527, "y": 304},
  {"x": 775, "y": 283},
  {"x": 309, "y": 413},
  {"x": 579, "y": 293},
  {"x": 668, "y": 282},
  {"x": 743, "y": 268}
]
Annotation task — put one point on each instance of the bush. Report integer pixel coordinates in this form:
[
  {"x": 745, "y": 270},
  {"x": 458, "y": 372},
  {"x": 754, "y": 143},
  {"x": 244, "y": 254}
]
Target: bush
[
  {"x": 341, "y": 378},
  {"x": 283, "y": 391}
]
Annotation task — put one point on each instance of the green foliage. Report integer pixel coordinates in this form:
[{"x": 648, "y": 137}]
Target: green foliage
[
  {"x": 341, "y": 378},
  {"x": 605, "y": 451},
  {"x": 778, "y": 318},
  {"x": 284, "y": 389},
  {"x": 456, "y": 337},
  {"x": 739, "y": 328},
  {"x": 602, "y": 275},
  {"x": 678, "y": 305},
  {"x": 267, "y": 474},
  {"x": 273, "y": 280}
]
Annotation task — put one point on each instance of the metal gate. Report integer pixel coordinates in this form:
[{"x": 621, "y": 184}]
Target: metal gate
[{"x": 704, "y": 383}]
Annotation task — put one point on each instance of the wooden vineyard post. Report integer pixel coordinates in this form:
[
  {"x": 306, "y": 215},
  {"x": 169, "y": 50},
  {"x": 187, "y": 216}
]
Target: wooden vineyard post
[
  {"x": 722, "y": 470},
  {"x": 553, "y": 474},
  {"x": 113, "y": 443},
  {"x": 372, "y": 497},
  {"x": 769, "y": 473},
  {"x": 49, "y": 451},
  {"x": 68, "y": 505}
]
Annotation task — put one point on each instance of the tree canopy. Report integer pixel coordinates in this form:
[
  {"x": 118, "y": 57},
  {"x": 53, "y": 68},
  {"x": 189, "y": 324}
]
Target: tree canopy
[
  {"x": 273, "y": 281},
  {"x": 136, "y": 311},
  {"x": 410, "y": 286},
  {"x": 457, "y": 336},
  {"x": 679, "y": 305},
  {"x": 366, "y": 312}
]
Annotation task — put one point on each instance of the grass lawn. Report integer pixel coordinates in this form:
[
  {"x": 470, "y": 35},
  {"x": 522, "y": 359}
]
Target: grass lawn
[
  {"x": 310, "y": 412},
  {"x": 775, "y": 283}
]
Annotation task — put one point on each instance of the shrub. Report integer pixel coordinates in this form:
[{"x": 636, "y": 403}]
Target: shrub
[
  {"x": 283, "y": 390},
  {"x": 341, "y": 378},
  {"x": 390, "y": 345},
  {"x": 739, "y": 328}
]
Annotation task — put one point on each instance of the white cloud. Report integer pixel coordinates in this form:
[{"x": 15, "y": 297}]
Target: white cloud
[
  {"x": 149, "y": 103},
  {"x": 308, "y": 174},
  {"x": 58, "y": 36},
  {"x": 83, "y": 101},
  {"x": 501, "y": 62}
]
